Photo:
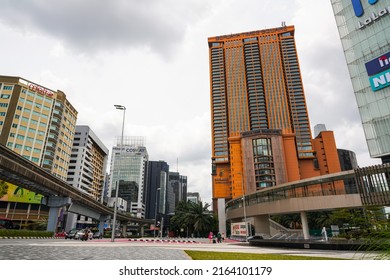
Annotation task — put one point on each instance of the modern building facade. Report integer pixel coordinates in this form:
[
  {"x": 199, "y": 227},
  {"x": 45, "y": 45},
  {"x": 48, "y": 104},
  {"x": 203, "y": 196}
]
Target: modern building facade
[
  {"x": 177, "y": 190},
  {"x": 87, "y": 169},
  {"x": 194, "y": 197},
  {"x": 39, "y": 124},
  {"x": 88, "y": 162},
  {"x": 347, "y": 159},
  {"x": 364, "y": 29},
  {"x": 261, "y": 134},
  {"x": 128, "y": 164},
  {"x": 156, "y": 189}
]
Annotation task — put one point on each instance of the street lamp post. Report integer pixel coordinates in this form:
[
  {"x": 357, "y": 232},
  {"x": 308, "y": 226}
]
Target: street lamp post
[
  {"x": 155, "y": 213},
  {"x": 119, "y": 107}
]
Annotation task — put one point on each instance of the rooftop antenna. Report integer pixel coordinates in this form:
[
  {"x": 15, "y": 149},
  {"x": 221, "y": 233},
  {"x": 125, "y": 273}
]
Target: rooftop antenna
[{"x": 283, "y": 24}]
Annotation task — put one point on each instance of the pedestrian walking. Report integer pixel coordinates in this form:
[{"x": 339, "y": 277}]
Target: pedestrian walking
[
  {"x": 219, "y": 237},
  {"x": 211, "y": 235}
]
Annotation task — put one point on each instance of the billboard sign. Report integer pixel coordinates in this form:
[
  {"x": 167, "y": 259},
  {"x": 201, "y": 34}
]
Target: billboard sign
[
  {"x": 380, "y": 80},
  {"x": 18, "y": 194},
  {"x": 358, "y": 7},
  {"x": 378, "y": 64},
  {"x": 238, "y": 229},
  {"x": 371, "y": 18}
]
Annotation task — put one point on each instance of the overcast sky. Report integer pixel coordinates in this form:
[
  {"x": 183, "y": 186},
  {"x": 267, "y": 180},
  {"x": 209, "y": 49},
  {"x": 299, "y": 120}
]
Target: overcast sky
[{"x": 152, "y": 57}]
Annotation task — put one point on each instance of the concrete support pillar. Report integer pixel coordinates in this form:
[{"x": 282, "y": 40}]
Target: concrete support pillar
[
  {"x": 141, "y": 230},
  {"x": 262, "y": 225},
  {"x": 305, "y": 225},
  {"x": 102, "y": 220},
  {"x": 53, "y": 218},
  {"x": 221, "y": 216},
  {"x": 55, "y": 203},
  {"x": 124, "y": 229},
  {"x": 71, "y": 221}
]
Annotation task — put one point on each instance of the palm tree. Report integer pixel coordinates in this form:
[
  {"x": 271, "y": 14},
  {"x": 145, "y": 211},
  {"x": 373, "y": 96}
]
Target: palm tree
[
  {"x": 201, "y": 217},
  {"x": 193, "y": 218}
]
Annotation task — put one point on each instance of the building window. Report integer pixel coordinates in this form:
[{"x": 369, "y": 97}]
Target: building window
[{"x": 263, "y": 163}]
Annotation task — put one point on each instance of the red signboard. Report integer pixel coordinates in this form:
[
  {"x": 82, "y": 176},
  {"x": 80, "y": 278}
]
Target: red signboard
[{"x": 40, "y": 90}]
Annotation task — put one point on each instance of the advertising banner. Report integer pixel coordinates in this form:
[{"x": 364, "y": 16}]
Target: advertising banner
[
  {"x": 378, "y": 64},
  {"x": 15, "y": 193},
  {"x": 238, "y": 229}
]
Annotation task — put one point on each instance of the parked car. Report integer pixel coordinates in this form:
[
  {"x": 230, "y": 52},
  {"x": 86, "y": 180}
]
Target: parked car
[
  {"x": 97, "y": 235},
  {"x": 84, "y": 234},
  {"x": 79, "y": 234},
  {"x": 6, "y": 224},
  {"x": 71, "y": 234},
  {"x": 255, "y": 237}
]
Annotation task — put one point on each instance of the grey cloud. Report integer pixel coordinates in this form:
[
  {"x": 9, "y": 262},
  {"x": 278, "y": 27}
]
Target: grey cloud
[
  {"x": 94, "y": 25},
  {"x": 329, "y": 86}
]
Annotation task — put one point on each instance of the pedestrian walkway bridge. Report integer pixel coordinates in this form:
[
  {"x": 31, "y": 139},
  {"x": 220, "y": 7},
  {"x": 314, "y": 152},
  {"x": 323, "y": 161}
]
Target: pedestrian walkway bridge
[
  {"x": 368, "y": 186},
  {"x": 19, "y": 171}
]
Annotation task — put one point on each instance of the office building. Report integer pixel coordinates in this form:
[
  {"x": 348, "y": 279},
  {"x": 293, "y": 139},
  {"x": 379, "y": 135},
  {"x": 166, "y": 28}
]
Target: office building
[
  {"x": 88, "y": 162},
  {"x": 39, "y": 124},
  {"x": 347, "y": 159},
  {"x": 364, "y": 29},
  {"x": 261, "y": 134},
  {"x": 193, "y": 197},
  {"x": 87, "y": 169},
  {"x": 128, "y": 164},
  {"x": 156, "y": 189},
  {"x": 177, "y": 190},
  {"x": 318, "y": 128}
]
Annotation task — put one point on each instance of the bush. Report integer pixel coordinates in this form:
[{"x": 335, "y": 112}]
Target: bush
[{"x": 25, "y": 233}]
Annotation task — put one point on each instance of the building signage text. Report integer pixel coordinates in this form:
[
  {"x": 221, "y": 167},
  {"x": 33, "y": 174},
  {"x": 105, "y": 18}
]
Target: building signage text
[
  {"x": 358, "y": 7},
  {"x": 375, "y": 16},
  {"x": 380, "y": 80},
  {"x": 131, "y": 149},
  {"x": 378, "y": 64},
  {"x": 40, "y": 90}
]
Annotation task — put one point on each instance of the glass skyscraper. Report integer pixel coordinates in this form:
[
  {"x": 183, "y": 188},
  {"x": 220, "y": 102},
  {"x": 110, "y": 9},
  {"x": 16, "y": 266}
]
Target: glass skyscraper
[
  {"x": 364, "y": 29},
  {"x": 128, "y": 164}
]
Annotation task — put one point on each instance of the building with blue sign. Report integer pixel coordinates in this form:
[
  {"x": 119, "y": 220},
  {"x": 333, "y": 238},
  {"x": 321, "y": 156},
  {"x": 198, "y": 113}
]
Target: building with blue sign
[{"x": 364, "y": 29}]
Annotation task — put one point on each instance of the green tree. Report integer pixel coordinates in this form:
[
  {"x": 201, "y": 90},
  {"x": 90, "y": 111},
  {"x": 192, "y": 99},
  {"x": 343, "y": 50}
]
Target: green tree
[
  {"x": 320, "y": 219},
  {"x": 292, "y": 221},
  {"x": 193, "y": 218},
  {"x": 3, "y": 188}
]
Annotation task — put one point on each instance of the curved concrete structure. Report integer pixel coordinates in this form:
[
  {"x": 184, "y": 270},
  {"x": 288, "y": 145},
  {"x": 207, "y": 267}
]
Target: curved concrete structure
[{"x": 369, "y": 186}]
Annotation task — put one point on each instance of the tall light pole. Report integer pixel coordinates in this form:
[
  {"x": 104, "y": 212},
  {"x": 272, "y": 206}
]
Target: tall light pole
[
  {"x": 155, "y": 213},
  {"x": 119, "y": 107}
]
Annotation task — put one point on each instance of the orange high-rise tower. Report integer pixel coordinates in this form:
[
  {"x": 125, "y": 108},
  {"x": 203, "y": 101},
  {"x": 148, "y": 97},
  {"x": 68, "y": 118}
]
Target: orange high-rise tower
[{"x": 261, "y": 133}]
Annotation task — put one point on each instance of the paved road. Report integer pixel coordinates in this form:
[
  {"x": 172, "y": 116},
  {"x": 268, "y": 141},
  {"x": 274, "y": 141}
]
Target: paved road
[{"x": 123, "y": 249}]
